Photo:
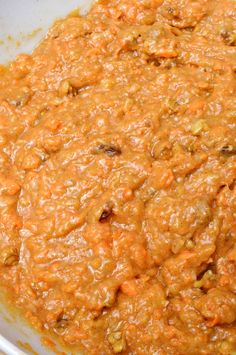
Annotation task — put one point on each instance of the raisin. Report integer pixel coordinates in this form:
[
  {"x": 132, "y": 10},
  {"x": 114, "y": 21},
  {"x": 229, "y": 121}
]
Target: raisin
[
  {"x": 229, "y": 37},
  {"x": 109, "y": 149},
  {"x": 228, "y": 150},
  {"x": 107, "y": 212}
]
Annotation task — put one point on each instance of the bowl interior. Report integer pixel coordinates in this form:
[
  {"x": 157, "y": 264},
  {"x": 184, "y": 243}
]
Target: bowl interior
[{"x": 23, "y": 24}]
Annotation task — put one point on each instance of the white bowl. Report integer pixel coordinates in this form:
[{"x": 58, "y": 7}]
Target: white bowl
[{"x": 18, "y": 19}]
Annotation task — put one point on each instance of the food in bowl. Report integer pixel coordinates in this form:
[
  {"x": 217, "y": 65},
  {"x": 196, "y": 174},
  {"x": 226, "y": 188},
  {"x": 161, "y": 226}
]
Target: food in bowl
[{"x": 118, "y": 170}]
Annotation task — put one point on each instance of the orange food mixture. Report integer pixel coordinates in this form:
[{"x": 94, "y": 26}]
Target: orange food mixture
[{"x": 117, "y": 179}]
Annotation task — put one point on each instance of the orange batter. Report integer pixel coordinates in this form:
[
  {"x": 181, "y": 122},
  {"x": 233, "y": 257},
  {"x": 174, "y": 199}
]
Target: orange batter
[{"x": 117, "y": 179}]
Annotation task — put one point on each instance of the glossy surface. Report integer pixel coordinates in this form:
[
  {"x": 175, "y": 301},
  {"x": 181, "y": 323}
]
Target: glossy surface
[{"x": 118, "y": 171}]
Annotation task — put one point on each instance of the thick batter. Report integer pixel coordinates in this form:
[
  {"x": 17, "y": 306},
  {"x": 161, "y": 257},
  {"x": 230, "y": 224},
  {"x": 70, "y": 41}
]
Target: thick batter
[{"x": 117, "y": 179}]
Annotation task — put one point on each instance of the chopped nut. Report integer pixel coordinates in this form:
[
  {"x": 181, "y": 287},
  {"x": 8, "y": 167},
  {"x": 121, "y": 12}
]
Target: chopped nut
[
  {"x": 113, "y": 337},
  {"x": 228, "y": 150},
  {"x": 64, "y": 88},
  {"x": 72, "y": 86},
  {"x": 117, "y": 342},
  {"x": 118, "y": 346},
  {"x": 189, "y": 244},
  {"x": 207, "y": 276},
  {"x": 23, "y": 98},
  {"x": 128, "y": 104},
  {"x": 198, "y": 127},
  {"x": 229, "y": 37},
  {"x": 227, "y": 348},
  {"x": 9, "y": 256},
  {"x": 172, "y": 105},
  {"x": 177, "y": 245},
  {"x": 106, "y": 83},
  {"x": 61, "y": 325}
]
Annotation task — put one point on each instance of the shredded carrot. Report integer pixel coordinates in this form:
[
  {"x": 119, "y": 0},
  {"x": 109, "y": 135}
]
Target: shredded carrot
[
  {"x": 212, "y": 322},
  {"x": 129, "y": 288},
  {"x": 217, "y": 67},
  {"x": 13, "y": 189},
  {"x": 128, "y": 194},
  {"x": 203, "y": 85},
  {"x": 168, "y": 54},
  {"x": 185, "y": 255},
  {"x": 196, "y": 105},
  {"x": 53, "y": 125},
  {"x": 169, "y": 177},
  {"x": 158, "y": 313},
  {"x": 224, "y": 280},
  {"x": 140, "y": 256}
]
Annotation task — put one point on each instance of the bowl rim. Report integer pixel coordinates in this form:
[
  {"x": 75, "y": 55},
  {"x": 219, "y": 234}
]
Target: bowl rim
[{"x": 9, "y": 348}]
